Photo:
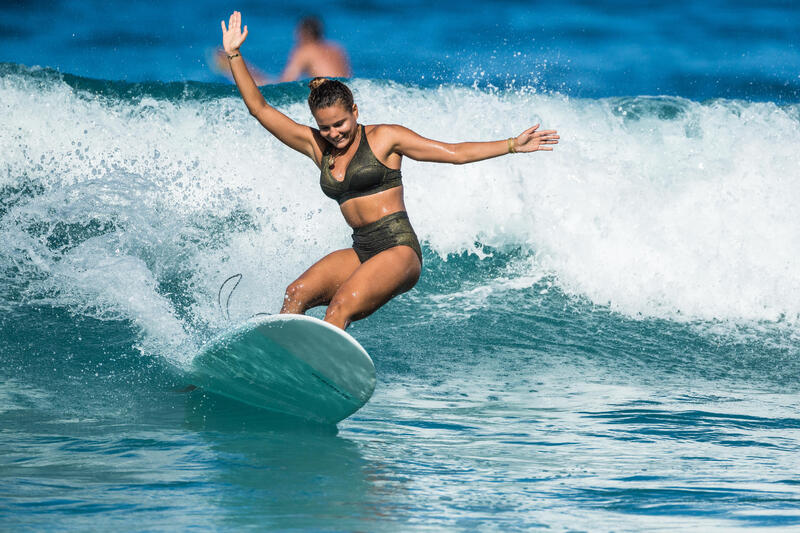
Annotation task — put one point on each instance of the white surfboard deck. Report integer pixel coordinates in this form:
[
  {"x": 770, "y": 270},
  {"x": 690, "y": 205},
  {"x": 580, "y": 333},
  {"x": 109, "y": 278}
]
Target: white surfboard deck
[{"x": 291, "y": 364}]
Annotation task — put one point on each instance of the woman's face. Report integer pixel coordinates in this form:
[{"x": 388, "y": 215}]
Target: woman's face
[{"x": 337, "y": 125}]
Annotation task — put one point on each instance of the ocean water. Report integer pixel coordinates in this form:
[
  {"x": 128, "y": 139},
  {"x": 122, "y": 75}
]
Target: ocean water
[{"x": 605, "y": 337}]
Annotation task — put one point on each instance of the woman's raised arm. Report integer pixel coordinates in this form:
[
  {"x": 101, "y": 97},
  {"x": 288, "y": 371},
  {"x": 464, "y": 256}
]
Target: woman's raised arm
[
  {"x": 289, "y": 132},
  {"x": 410, "y": 144}
]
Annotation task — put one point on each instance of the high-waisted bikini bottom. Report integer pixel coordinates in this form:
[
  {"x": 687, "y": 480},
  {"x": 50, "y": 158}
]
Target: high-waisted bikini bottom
[{"x": 387, "y": 232}]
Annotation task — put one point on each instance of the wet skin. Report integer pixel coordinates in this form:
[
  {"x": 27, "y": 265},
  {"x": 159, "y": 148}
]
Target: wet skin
[{"x": 353, "y": 290}]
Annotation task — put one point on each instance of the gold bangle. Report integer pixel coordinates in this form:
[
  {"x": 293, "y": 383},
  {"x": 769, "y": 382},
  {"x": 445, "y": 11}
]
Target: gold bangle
[
  {"x": 237, "y": 54},
  {"x": 511, "y": 148}
]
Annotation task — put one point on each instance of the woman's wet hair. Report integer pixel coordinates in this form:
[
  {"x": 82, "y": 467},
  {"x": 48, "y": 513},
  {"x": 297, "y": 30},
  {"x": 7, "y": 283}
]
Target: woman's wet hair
[{"x": 326, "y": 93}]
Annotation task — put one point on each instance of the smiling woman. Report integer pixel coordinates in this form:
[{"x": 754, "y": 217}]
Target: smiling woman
[{"x": 360, "y": 169}]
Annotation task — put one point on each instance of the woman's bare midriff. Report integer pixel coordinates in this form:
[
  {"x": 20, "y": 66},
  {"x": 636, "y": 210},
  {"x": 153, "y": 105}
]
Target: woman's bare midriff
[{"x": 367, "y": 209}]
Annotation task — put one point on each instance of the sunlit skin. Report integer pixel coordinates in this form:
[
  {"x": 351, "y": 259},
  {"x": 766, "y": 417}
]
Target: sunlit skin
[
  {"x": 353, "y": 290},
  {"x": 339, "y": 127}
]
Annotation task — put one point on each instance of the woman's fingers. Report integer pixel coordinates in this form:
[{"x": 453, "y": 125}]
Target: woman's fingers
[
  {"x": 530, "y": 130},
  {"x": 224, "y": 29}
]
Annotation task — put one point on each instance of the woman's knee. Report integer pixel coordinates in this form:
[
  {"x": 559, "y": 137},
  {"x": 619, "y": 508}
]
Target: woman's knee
[
  {"x": 341, "y": 306},
  {"x": 297, "y": 295}
]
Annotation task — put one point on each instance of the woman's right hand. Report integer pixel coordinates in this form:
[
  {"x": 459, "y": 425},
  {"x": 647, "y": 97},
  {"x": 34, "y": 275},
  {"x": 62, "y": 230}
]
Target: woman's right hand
[{"x": 233, "y": 37}]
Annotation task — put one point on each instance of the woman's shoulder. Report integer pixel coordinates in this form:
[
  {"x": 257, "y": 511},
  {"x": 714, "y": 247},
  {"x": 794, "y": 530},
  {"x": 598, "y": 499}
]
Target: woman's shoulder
[
  {"x": 378, "y": 127},
  {"x": 385, "y": 130}
]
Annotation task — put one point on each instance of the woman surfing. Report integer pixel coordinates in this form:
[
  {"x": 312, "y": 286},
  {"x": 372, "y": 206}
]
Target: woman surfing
[{"x": 360, "y": 169}]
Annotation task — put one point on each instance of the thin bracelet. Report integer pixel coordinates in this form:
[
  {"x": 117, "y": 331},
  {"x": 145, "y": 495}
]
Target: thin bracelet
[
  {"x": 511, "y": 148},
  {"x": 237, "y": 54}
]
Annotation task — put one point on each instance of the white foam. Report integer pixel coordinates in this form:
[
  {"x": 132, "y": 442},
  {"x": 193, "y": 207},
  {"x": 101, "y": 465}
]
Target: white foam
[{"x": 688, "y": 218}]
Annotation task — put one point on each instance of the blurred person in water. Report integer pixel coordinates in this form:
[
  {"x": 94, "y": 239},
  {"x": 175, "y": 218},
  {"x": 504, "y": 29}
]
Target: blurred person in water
[{"x": 312, "y": 56}]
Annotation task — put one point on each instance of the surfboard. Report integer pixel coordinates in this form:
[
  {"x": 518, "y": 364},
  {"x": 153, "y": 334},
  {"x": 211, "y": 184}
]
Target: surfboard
[{"x": 295, "y": 365}]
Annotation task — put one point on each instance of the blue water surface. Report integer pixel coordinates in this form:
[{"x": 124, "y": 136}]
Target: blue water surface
[
  {"x": 604, "y": 338},
  {"x": 698, "y": 50}
]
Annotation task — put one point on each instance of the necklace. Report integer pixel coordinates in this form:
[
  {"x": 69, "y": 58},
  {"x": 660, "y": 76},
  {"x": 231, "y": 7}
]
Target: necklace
[{"x": 332, "y": 161}]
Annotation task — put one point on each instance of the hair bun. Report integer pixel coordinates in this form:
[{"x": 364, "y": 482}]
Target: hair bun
[
  {"x": 316, "y": 82},
  {"x": 326, "y": 92}
]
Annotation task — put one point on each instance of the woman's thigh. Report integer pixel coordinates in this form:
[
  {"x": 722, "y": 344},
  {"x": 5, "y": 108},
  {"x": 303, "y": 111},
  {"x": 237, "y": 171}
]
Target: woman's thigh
[
  {"x": 317, "y": 285},
  {"x": 375, "y": 282}
]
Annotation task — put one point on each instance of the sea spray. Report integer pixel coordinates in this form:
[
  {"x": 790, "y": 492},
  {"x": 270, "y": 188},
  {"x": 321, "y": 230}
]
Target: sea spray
[{"x": 137, "y": 201}]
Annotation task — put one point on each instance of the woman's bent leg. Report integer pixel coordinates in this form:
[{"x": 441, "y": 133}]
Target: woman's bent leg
[
  {"x": 317, "y": 285},
  {"x": 375, "y": 282}
]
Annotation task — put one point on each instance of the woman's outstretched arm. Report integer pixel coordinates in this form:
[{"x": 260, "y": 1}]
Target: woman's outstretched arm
[
  {"x": 410, "y": 144},
  {"x": 289, "y": 132}
]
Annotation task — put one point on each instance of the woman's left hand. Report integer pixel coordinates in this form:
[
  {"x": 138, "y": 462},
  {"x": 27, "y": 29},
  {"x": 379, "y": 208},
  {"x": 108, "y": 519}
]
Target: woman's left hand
[{"x": 531, "y": 140}]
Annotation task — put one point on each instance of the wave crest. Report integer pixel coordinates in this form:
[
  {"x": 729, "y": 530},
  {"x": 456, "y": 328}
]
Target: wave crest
[{"x": 653, "y": 206}]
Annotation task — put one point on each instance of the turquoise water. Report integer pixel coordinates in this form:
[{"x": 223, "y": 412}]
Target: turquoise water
[{"x": 604, "y": 338}]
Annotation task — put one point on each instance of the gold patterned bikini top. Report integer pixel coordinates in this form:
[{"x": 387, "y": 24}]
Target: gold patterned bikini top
[{"x": 365, "y": 175}]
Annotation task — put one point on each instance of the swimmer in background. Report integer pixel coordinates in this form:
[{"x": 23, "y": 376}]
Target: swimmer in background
[{"x": 311, "y": 57}]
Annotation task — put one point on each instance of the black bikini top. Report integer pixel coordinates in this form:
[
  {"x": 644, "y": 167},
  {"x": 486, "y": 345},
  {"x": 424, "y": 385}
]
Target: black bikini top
[{"x": 365, "y": 175}]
